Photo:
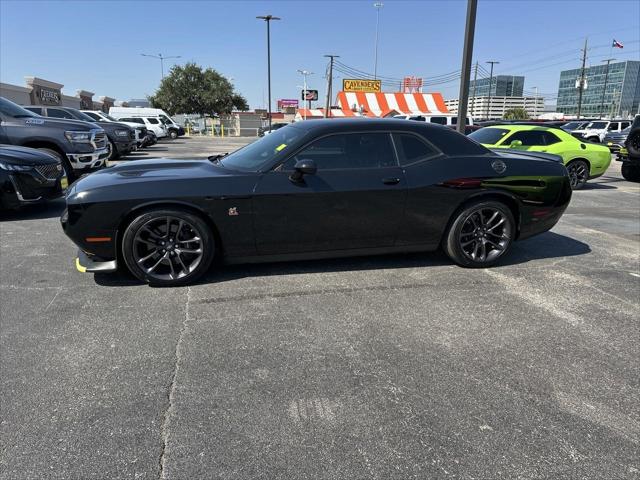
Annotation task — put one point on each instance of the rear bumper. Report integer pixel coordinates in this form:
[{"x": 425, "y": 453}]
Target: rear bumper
[{"x": 86, "y": 264}]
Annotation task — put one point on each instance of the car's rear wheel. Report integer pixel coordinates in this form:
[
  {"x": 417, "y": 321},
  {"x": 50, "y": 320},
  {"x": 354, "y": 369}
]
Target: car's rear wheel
[
  {"x": 173, "y": 134},
  {"x": 594, "y": 139},
  {"x": 631, "y": 172},
  {"x": 578, "y": 173},
  {"x": 168, "y": 247},
  {"x": 66, "y": 166},
  {"x": 480, "y": 234}
]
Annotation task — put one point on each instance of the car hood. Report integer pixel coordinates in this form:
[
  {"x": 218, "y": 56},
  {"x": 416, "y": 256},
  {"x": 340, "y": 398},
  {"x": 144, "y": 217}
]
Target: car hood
[
  {"x": 144, "y": 171},
  {"x": 25, "y": 156},
  {"x": 527, "y": 155}
]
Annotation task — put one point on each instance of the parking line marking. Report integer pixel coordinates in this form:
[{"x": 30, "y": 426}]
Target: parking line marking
[{"x": 634, "y": 274}]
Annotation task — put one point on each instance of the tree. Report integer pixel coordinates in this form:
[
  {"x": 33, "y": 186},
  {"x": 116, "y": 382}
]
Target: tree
[
  {"x": 517, "y": 113},
  {"x": 190, "y": 89}
]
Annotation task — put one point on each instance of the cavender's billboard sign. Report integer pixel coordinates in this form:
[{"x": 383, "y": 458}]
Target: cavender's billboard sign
[{"x": 358, "y": 85}]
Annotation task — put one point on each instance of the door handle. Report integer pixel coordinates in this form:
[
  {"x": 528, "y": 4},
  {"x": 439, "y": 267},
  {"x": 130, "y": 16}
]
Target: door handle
[{"x": 391, "y": 181}]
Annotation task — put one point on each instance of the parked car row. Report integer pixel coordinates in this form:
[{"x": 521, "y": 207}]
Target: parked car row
[{"x": 78, "y": 142}]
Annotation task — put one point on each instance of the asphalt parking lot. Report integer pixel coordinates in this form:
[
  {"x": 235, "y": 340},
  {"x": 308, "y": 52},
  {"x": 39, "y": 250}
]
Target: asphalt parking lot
[{"x": 401, "y": 366}]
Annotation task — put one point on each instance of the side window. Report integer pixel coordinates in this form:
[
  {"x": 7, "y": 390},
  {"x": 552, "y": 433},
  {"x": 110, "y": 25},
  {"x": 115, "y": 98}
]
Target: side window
[
  {"x": 439, "y": 120},
  {"x": 550, "y": 138},
  {"x": 58, "y": 113},
  {"x": 613, "y": 126},
  {"x": 529, "y": 138},
  {"x": 153, "y": 121},
  {"x": 418, "y": 118},
  {"x": 411, "y": 149},
  {"x": 348, "y": 151},
  {"x": 37, "y": 110}
]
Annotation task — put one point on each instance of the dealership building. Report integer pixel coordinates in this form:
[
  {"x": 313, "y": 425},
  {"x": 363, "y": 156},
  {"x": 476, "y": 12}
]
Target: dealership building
[
  {"x": 38, "y": 91},
  {"x": 622, "y": 96}
]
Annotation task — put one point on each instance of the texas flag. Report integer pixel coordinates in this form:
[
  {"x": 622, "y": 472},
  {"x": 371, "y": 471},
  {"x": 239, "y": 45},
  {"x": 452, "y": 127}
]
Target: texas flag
[{"x": 617, "y": 44}]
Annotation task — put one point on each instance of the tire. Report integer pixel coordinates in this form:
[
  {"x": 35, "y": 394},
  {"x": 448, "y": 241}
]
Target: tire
[
  {"x": 173, "y": 134},
  {"x": 66, "y": 166},
  {"x": 480, "y": 234},
  {"x": 633, "y": 144},
  {"x": 113, "y": 152},
  {"x": 593, "y": 139},
  {"x": 578, "y": 173},
  {"x": 163, "y": 260},
  {"x": 631, "y": 173}
]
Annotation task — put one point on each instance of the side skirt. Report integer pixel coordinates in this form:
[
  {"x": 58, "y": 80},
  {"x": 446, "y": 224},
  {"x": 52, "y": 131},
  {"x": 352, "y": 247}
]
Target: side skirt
[{"x": 359, "y": 252}]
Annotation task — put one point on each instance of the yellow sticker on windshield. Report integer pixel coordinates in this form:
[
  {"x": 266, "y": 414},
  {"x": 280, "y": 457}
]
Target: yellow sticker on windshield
[{"x": 281, "y": 147}]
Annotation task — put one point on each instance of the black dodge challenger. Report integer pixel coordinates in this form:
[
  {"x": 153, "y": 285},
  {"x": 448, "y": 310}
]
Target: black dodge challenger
[{"x": 315, "y": 189}]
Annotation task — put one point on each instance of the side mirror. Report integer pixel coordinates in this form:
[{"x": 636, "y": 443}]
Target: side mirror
[
  {"x": 515, "y": 144},
  {"x": 302, "y": 168}
]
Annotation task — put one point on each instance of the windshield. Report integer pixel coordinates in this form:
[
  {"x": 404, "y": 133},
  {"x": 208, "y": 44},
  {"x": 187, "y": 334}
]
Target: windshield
[
  {"x": 488, "y": 136},
  {"x": 597, "y": 125},
  {"x": 572, "y": 125},
  {"x": 257, "y": 154},
  {"x": 108, "y": 117},
  {"x": 10, "y": 109}
]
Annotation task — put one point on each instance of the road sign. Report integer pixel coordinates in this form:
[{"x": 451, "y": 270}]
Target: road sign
[{"x": 311, "y": 95}]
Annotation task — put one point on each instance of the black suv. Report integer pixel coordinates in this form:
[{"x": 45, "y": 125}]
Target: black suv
[
  {"x": 121, "y": 137},
  {"x": 631, "y": 161},
  {"x": 81, "y": 146}
]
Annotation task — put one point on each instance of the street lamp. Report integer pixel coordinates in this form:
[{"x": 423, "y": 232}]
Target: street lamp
[
  {"x": 268, "y": 18},
  {"x": 162, "y": 58},
  {"x": 305, "y": 74},
  {"x": 378, "y": 6}
]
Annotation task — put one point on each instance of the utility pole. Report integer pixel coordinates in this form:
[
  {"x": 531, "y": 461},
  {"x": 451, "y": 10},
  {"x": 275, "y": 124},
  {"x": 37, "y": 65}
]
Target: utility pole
[
  {"x": 475, "y": 82},
  {"x": 378, "y": 6},
  {"x": 604, "y": 90},
  {"x": 492, "y": 62},
  {"x": 268, "y": 18},
  {"x": 581, "y": 80},
  {"x": 467, "y": 55},
  {"x": 327, "y": 109}
]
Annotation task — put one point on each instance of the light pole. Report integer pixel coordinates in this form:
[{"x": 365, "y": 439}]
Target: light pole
[
  {"x": 492, "y": 62},
  {"x": 162, "y": 58},
  {"x": 465, "y": 73},
  {"x": 604, "y": 90},
  {"x": 268, "y": 18},
  {"x": 305, "y": 74},
  {"x": 378, "y": 6}
]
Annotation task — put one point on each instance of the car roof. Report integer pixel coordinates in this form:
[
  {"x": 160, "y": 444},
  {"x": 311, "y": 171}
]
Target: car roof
[
  {"x": 331, "y": 125},
  {"x": 522, "y": 127}
]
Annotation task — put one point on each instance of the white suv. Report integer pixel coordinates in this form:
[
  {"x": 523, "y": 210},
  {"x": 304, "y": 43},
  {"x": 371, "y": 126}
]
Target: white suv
[
  {"x": 153, "y": 124},
  {"x": 596, "y": 130}
]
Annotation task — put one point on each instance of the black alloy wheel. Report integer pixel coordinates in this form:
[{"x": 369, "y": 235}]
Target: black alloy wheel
[
  {"x": 168, "y": 247},
  {"x": 113, "y": 151},
  {"x": 173, "y": 134},
  {"x": 578, "y": 173},
  {"x": 480, "y": 234}
]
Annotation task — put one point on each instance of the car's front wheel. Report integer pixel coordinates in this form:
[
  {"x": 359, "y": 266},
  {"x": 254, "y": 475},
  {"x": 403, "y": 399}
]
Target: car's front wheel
[
  {"x": 578, "y": 173},
  {"x": 480, "y": 234},
  {"x": 173, "y": 134},
  {"x": 168, "y": 247}
]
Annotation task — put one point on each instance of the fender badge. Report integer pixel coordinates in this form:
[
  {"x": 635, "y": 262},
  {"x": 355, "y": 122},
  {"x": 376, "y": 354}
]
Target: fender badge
[
  {"x": 34, "y": 121},
  {"x": 499, "y": 166},
  {"x": 233, "y": 211}
]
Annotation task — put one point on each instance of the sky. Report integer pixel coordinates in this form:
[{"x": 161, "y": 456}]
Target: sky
[{"x": 96, "y": 45}]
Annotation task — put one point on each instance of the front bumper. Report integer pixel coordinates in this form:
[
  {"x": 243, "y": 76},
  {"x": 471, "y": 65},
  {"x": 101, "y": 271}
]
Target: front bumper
[
  {"x": 88, "y": 161},
  {"x": 125, "y": 147},
  {"x": 29, "y": 187},
  {"x": 86, "y": 264}
]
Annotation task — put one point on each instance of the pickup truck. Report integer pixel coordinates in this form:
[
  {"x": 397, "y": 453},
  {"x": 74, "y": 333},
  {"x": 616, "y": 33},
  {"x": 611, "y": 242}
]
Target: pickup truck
[
  {"x": 80, "y": 146},
  {"x": 121, "y": 138}
]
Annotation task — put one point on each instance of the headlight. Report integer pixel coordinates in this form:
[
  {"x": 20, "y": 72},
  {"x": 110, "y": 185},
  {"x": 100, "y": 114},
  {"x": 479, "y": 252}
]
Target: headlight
[
  {"x": 122, "y": 133},
  {"x": 12, "y": 167},
  {"x": 78, "y": 137}
]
